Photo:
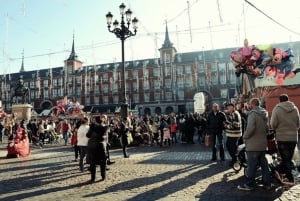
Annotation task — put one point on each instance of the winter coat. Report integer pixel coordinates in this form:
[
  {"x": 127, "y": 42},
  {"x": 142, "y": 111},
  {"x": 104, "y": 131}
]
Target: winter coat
[
  {"x": 285, "y": 121},
  {"x": 215, "y": 122},
  {"x": 233, "y": 125},
  {"x": 255, "y": 136},
  {"x": 97, "y": 144},
  {"x": 81, "y": 135},
  {"x": 124, "y": 132}
]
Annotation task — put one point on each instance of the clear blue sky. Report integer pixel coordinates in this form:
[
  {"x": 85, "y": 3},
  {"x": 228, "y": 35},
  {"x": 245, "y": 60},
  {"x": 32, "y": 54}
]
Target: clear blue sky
[{"x": 44, "y": 28}]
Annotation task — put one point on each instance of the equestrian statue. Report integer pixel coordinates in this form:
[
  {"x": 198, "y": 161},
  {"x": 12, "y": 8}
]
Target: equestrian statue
[{"x": 20, "y": 91}]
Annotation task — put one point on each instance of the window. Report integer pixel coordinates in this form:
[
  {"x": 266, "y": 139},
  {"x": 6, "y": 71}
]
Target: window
[
  {"x": 188, "y": 81},
  {"x": 96, "y": 89},
  {"x": 146, "y": 73},
  {"x": 156, "y": 72},
  {"x": 96, "y": 100},
  {"x": 167, "y": 71},
  {"x": 37, "y": 84},
  {"x": 46, "y": 83},
  {"x": 136, "y": 98},
  {"x": 78, "y": 80},
  {"x": 188, "y": 70},
  {"x": 146, "y": 97},
  {"x": 224, "y": 93},
  {"x": 32, "y": 84},
  {"x": 105, "y": 99},
  {"x": 146, "y": 84},
  {"x": 201, "y": 81},
  {"x": 214, "y": 67},
  {"x": 105, "y": 88},
  {"x": 78, "y": 91},
  {"x": 180, "y": 94},
  {"x": 214, "y": 78},
  {"x": 60, "y": 92},
  {"x": 201, "y": 68},
  {"x": 222, "y": 72},
  {"x": 134, "y": 86},
  {"x": 135, "y": 74},
  {"x": 156, "y": 84},
  {"x": 167, "y": 58},
  {"x": 168, "y": 96},
  {"x": 157, "y": 96},
  {"x": 87, "y": 100},
  {"x": 180, "y": 83},
  {"x": 105, "y": 77},
  {"x": 179, "y": 70},
  {"x": 59, "y": 82},
  {"x": 115, "y": 87},
  {"x": 168, "y": 83},
  {"x": 46, "y": 93},
  {"x": 116, "y": 99},
  {"x": 126, "y": 74}
]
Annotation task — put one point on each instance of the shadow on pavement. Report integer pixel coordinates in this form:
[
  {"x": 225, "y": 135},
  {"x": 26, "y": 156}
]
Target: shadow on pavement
[{"x": 226, "y": 190}]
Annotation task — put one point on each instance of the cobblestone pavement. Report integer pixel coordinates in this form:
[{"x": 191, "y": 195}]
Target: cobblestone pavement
[{"x": 181, "y": 172}]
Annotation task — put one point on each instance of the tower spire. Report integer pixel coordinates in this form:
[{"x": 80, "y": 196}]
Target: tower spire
[
  {"x": 73, "y": 55},
  {"x": 22, "y": 64},
  {"x": 167, "y": 42}
]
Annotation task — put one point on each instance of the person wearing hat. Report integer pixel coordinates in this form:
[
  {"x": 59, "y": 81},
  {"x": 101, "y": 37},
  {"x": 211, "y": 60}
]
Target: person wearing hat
[
  {"x": 285, "y": 121},
  {"x": 233, "y": 130}
]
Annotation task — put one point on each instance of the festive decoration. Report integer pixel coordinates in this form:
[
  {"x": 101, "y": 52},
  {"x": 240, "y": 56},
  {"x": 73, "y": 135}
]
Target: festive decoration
[
  {"x": 66, "y": 107},
  {"x": 253, "y": 62}
]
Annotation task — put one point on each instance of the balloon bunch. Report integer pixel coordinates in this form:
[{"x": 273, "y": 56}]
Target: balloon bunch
[
  {"x": 66, "y": 107},
  {"x": 258, "y": 61}
]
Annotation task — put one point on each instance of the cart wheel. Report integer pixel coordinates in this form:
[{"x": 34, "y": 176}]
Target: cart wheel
[{"x": 237, "y": 166}]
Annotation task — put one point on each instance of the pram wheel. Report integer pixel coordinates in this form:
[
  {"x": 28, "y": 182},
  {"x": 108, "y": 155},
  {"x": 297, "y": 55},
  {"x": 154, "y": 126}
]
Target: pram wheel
[{"x": 237, "y": 166}]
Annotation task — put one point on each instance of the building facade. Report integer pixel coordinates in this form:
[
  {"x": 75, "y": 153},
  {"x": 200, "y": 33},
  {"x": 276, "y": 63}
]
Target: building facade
[{"x": 153, "y": 86}]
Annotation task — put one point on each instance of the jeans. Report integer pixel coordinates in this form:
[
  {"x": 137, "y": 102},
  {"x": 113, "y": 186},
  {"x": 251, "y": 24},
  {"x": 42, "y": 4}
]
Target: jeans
[
  {"x": 83, "y": 150},
  {"x": 218, "y": 137},
  {"x": 231, "y": 145},
  {"x": 77, "y": 151},
  {"x": 65, "y": 136},
  {"x": 286, "y": 150},
  {"x": 255, "y": 158},
  {"x": 124, "y": 148}
]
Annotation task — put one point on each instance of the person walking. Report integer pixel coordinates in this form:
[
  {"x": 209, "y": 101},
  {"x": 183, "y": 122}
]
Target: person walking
[
  {"x": 233, "y": 130},
  {"x": 65, "y": 127},
  {"x": 96, "y": 149},
  {"x": 82, "y": 141},
  {"x": 41, "y": 131},
  {"x": 215, "y": 123},
  {"x": 255, "y": 138},
  {"x": 124, "y": 132},
  {"x": 285, "y": 121}
]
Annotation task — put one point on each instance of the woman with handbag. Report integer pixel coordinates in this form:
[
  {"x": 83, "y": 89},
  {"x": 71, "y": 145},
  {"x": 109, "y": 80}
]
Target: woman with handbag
[{"x": 97, "y": 145}]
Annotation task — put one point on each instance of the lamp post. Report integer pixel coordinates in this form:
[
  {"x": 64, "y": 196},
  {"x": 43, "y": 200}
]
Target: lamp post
[{"x": 123, "y": 32}]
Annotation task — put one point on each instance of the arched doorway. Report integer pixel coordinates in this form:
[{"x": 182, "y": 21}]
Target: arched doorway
[
  {"x": 147, "y": 111},
  {"x": 46, "y": 105},
  {"x": 157, "y": 110},
  {"x": 169, "y": 110}
]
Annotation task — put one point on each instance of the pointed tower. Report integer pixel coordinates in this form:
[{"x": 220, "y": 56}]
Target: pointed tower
[
  {"x": 72, "y": 63},
  {"x": 22, "y": 69},
  {"x": 167, "y": 51}
]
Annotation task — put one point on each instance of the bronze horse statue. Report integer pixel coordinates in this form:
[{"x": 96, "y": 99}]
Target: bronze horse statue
[{"x": 20, "y": 91}]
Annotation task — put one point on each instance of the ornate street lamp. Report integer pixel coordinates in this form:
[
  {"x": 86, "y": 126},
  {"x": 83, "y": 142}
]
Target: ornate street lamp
[{"x": 122, "y": 31}]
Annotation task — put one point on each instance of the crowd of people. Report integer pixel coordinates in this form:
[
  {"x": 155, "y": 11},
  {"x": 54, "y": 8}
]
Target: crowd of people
[{"x": 93, "y": 137}]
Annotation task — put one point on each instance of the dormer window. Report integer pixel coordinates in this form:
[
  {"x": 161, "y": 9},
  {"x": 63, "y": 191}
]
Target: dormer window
[{"x": 167, "y": 58}]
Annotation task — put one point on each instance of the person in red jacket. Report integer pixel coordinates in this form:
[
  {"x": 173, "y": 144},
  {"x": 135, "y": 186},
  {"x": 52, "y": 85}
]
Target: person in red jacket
[
  {"x": 74, "y": 144},
  {"x": 173, "y": 128}
]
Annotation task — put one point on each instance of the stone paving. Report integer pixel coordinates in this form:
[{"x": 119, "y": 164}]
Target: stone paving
[{"x": 181, "y": 172}]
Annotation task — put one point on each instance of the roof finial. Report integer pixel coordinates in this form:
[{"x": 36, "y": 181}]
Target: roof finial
[
  {"x": 73, "y": 55},
  {"x": 167, "y": 42},
  {"x": 22, "y": 65}
]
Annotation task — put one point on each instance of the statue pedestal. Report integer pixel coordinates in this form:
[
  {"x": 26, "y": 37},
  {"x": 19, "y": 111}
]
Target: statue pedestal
[{"x": 23, "y": 111}]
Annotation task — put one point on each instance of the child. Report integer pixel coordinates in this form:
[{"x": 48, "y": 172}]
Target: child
[
  {"x": 74, "y": 144},
  {"x": 167, "y": 136}
]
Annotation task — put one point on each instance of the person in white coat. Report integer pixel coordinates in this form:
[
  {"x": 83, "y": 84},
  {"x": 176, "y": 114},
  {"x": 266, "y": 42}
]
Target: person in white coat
[{"x": 82, "y": 141}]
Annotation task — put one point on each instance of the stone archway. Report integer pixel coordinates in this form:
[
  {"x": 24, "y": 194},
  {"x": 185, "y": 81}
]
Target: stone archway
[
  {"x": 147, "y": 111},
  {"x": 169, "y": 110},
  {"x": 46, "y": 105},
  {"x": 157, "y": 110}
]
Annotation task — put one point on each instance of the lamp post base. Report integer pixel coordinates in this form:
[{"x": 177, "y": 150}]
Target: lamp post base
[{"x": 124, "y": 110}]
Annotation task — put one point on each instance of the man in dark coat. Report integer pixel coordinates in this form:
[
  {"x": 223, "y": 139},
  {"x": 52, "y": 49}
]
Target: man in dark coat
[
  {"x": 97, "y": 145},
  {"x": 215, "y": 121}
]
